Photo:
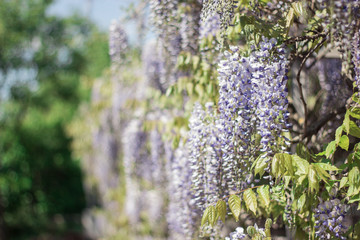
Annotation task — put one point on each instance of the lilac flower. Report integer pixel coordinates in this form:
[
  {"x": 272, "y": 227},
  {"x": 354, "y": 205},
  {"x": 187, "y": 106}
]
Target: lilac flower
[
  {"x": 118, "y": 43},
  {"x": 154, "y": 66},
  {"x": 329, "y": 219},
  {"x": 164, "y": 17},
  {"x": 225, "y": 9},
  {"x": 210, "y": 26},
  {"x": 183, "y": 216},
  {"x": 356, "y": 57},
  {"x": 252, "y": 101},
  {"x": 134, "y": 161},
  {"x": 237, "y": 234},
  {"x": 189, "y": 27},
  {"x": 204, "y": 156},
  {"x": 341, "y": 17}
]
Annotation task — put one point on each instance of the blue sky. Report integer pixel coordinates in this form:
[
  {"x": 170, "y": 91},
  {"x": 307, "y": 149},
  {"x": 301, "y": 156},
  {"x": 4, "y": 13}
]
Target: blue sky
[{"x": 102, "y": 12}]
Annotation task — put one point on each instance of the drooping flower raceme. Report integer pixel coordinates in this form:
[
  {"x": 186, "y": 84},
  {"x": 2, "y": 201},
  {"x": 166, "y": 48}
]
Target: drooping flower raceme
[
  {"x": 220, "y": 144},
  {"x": 189, "y": 27},
  {"x": 210, "y": 25},
  {"x": 118, "y": 43},
  {"x": 270, "y": 93},
  {"x": 329, "y": 218},
  {"x": 237, "y": 234},
  {"x": 225, "y": 9},
  {"x": 356, "y": 57},
  {"x": 183, "y": 215},
  {"x": 252, "y": 101}
]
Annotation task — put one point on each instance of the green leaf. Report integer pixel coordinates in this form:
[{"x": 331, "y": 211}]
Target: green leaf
[
  {"x": 355, "y": 112},
  {"x": 289, "y": 19},
  {"x": 338, "y": 134},
  {"x": 301, "y": 179},
  {"x": 355, "y": 198},
  {"x": 264, "y": 195},
  {"x": 343, "y": 182},
  {"x": 330, "y": 149},
  {"x": 327, "y": 166},
  {"x": 313, "y": 179},
  {"x": 321, "y": 172},
  {"x": 281, "y": 163},
  {"x": 355, "y": 97},
  {"x": 301, "y": 164},
  {"x": 354, "y": 129},
  {"x": 221, "y": 210},
  {"x": 287, "y": 181},
  {"x": 275, "y": 163},
  {"x": 344, "y": 142},
  {"x": 354, "y": 175},
  {"x": 235, "y": 206},
  {"x": 196, "y": 61},
  {"x": 298, "y": 8},
  {"x": 261, "y": 164},
  {"x": 212, "y": 216},
  {"x": 346, "y": 122},
  {"x": 205, "y": 217},
  {"x": 199, "y": 89},
  {"x": 287, "y": 162},
  {"x": 250, "y": 200},
  {"x": 301, "y": 202}
]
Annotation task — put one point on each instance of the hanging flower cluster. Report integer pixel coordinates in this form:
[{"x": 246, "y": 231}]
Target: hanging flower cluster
[
  {"x": 329, "y": 219},
  {"x": 118, "y": 43},
  {"x": 356, "y": 57},
  {"x": 237, "y": 234},
  {"x": 210, "y": 25},
  {"x": 252, "y": 101}
]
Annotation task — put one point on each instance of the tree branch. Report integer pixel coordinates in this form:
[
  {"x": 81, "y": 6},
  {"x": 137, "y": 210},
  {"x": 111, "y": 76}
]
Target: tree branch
[
  {"x": 300, "y": 85},
  {"x": 302, "y": 38}
]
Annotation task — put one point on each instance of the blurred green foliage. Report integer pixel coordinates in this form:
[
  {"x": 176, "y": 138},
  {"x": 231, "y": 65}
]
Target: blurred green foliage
[{"x": 43, "y": 60}]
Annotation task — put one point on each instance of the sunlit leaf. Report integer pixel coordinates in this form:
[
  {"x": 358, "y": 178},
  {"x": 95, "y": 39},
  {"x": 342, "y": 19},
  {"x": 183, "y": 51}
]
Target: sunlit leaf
[
  {"x": 346, "y": 122},
  {"x": 343, "y": 182},
  {"x": 250, "y": 200},
  {"x": 313, "y": 179},
  {"x": 235, "y": 206},
  {"x": 301, "y": 164},
  {"x": 354, "y": 129},
  {"x": 205, "y": 217},
  {"x": 221, "y": 210},
  {"x": 338, "y": 134},
  {"x": 344, "y": 142},
  {"x": 212, "y": 215},
  {"x": 330, "y": 149},
  {"x": 301, "y": 202},
  {"x": 264, "y": 195}
]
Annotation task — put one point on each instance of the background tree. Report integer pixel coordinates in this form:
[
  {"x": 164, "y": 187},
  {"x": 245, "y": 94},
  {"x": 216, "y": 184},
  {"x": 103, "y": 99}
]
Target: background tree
[{"x": 42, "y": 61}]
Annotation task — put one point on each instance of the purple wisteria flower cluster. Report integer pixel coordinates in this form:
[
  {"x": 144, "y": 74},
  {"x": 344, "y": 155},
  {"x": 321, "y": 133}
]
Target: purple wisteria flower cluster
[
  {"x": 237, "y": 234},
  {"x": 225, "y": 9},
  {"x": 204, "y": 156},
  {"x": 210, "y": 25},
  {"x": 356, "y": 57},
  {"x": 329, "y": 219},
  {"x": 189, "y": 26},
  {"x": 343, "y": 22},
  {"x": 219, "y": 143},
  {"x": 182, "y": 216},
  {"x": 253, "y": 101},
  {"x": 118, "y": 42}
]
